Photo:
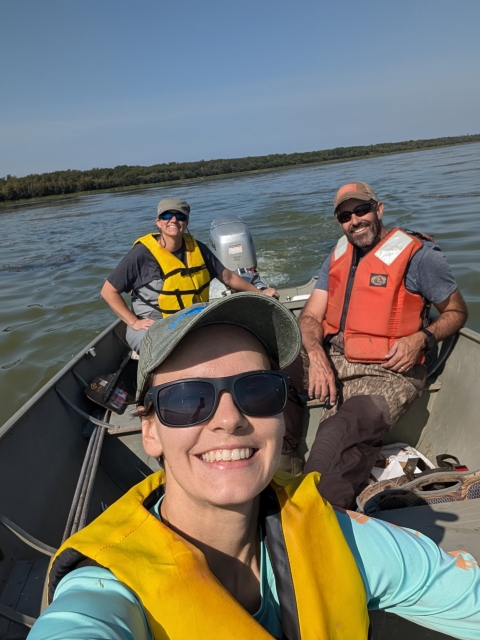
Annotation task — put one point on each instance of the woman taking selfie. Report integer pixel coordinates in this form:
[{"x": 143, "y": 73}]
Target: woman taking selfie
[{"x": 216, "y": 545}]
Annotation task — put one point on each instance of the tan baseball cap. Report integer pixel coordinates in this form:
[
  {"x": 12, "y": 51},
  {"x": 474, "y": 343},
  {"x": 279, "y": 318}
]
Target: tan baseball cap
[
  {"x": 173, "y": 204},
  {"x": 357, "y": 190}
]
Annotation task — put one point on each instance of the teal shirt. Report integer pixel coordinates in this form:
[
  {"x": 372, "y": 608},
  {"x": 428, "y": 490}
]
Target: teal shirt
[{"x": 403, "y": 572}]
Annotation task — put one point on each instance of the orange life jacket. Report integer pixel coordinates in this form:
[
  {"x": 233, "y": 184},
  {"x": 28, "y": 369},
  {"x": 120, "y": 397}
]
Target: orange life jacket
[{"x": 370, "y": 302}]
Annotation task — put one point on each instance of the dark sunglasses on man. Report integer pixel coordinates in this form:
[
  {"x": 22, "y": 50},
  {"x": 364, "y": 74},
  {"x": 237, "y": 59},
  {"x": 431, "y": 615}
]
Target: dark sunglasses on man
[
  {"x": 186, "y": 403},
  {"x": 168, "y": 215},
  {"x": 360, "y": 211}
]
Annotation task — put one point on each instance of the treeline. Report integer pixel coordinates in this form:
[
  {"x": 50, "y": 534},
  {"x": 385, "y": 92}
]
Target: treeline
[{"x": 71, "y": 181}]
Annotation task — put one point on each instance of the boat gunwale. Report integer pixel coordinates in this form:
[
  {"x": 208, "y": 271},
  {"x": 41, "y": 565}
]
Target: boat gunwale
[
  {"x": 470, "y": 334},
  {"x": 67, "y": 368}
]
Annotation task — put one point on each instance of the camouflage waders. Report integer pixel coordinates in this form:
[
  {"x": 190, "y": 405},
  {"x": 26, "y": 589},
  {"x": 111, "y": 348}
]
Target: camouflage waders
[{"x": 371, "y": 400}]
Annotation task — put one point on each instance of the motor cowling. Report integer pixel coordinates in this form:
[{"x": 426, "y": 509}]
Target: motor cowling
[{"x": 231, "y": 241}]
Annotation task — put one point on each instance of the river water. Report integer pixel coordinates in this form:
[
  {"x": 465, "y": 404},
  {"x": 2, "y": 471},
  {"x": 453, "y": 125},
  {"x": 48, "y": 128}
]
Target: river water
[{"x": 56, "y": 254}]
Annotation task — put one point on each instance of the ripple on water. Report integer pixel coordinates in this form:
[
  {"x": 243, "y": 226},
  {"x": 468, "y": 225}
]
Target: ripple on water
[
  {"x": 10, "y": 365},
  {"x": 43, "y": 263},
  {"x": 446, "y": 173},
  {"x": 444, "y": 196}
]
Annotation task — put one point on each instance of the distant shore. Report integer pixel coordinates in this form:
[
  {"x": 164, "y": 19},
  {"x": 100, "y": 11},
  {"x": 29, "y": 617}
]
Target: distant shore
[{"x": 61, "y": 184}]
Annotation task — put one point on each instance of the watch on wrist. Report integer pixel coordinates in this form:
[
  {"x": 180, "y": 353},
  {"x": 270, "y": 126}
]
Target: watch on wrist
[{"x": 431, "y": 340}]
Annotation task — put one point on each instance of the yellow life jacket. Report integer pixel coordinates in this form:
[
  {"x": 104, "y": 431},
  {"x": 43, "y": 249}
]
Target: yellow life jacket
[
  {"x": 321, "y": 592},
  {"x": 183, "y": 285}
]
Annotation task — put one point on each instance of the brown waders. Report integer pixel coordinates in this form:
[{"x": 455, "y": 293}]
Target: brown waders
[{"x": 371, "y": 400}]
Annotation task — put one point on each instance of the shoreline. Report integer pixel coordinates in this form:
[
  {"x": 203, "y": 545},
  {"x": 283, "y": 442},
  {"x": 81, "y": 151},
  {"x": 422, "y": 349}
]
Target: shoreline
[{"x": 236, "y": 174}]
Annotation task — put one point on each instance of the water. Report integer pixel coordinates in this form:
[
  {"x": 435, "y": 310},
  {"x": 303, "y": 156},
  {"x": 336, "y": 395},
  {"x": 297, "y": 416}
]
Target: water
[{"x": 56, "y": 254}]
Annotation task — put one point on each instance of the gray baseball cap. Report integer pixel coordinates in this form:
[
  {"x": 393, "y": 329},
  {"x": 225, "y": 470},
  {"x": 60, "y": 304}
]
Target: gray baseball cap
[
  {"x": 173, "y": 204},
  {"x": 272, "y": 323}
]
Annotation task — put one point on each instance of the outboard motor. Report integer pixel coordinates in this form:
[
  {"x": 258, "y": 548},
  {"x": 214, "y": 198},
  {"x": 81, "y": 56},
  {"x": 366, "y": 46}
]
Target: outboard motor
[{"x": 231, "y": 241}]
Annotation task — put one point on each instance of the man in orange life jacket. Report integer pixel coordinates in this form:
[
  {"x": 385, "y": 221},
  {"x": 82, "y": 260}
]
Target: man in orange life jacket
[
  {"x": 166, "y": 272},
  {"x": 364, "y": 338}
]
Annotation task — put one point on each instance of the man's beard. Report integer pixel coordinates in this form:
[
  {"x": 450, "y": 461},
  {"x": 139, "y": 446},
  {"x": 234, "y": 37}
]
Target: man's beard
[{"x": 369, "y": 238}]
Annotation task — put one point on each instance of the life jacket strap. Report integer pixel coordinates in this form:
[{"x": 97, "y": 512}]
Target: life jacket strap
[{"x": 184, "y": 271}]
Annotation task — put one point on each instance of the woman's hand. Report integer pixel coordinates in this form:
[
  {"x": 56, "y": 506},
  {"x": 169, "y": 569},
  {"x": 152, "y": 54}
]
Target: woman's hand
[
  {"x": 270, "y": 292},
  {"x": 142, "y": 323}
]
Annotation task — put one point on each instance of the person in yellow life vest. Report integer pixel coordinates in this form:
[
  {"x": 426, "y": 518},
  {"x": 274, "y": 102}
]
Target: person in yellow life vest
[
  {"x": 166, "y": 272},
  {"x": 218, "y": 545},
  {"x": 365, "y": 334}
]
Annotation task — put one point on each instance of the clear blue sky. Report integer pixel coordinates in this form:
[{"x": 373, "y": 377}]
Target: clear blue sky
[{"x": 98, "y": 83}]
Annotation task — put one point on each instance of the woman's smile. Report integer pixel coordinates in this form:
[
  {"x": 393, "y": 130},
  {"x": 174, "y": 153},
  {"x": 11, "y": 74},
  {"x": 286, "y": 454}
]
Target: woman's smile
[{"x": 227, "y": 455}]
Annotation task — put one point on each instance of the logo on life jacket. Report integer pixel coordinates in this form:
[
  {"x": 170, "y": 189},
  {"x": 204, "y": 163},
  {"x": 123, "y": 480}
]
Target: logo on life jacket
[{"x": 378, "y": 279}]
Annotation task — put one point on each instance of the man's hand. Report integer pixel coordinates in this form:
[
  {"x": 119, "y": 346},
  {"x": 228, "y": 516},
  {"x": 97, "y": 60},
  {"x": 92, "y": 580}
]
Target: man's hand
[
  {"x": 142, "y": 323},
  {"x": 321, "y": 380},
  {"x": 235, "y": 282},
  {"x": 270, "y": 292},
  {"x": 404, "y": 352}
]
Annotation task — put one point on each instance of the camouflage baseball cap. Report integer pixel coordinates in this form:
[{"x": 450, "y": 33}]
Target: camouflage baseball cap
[
  {"x": 272, "y": 323},
  {"x": 173, "y": 204},
  {"x": 357, "y": 190}
]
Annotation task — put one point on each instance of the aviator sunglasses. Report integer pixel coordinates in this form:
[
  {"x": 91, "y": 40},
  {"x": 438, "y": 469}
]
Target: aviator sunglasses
[
  {"x": 168, "y": 215},
  {"x": 359, "y": 211},
  {"x": 185, "y": 403}
]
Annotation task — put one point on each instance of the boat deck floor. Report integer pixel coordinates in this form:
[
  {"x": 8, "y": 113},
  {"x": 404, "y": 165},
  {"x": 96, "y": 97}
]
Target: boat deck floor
[
  {"x": 22, "y": 592},
  {"x": 452, "y": 525}
]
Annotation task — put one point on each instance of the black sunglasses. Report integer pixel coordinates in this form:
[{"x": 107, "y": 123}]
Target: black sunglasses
[
  {"x": 185, "y": 403},
  {"x": 168, "y": 215},
  {"x": 359, "y": 211}
]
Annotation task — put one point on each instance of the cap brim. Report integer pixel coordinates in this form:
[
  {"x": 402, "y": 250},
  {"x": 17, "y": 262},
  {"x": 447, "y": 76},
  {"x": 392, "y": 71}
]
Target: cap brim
[
  {"x": 353, "y": 195},
  {"x": 272, "y": 323}
]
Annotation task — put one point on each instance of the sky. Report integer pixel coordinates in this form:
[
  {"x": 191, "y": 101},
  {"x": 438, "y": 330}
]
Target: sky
[{"x": 101, "y": 83}]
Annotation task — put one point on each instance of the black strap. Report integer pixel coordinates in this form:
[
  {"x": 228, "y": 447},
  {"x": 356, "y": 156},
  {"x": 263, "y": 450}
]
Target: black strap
[
  {"x": 349, "y": 287},
  {"x": 181, "y": 292},
  {"x": 443, "y": 461},
  {"x": 147, "y": 302},
  {"x": 189, "y": 270},
  {"x": 177, "y": 293},
  {"x": 275, "y": 544},
  {"x": 174, "y": 272},
  {"x": 152, "y": 499},
  {"x": 419, "y": 235},
  {"x": 65, "y": 562},
  {"x": 184, "y": 271}
]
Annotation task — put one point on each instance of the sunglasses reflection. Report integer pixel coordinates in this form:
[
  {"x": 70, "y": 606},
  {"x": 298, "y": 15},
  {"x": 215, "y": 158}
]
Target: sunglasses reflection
[{"x": 190, "y": 402}]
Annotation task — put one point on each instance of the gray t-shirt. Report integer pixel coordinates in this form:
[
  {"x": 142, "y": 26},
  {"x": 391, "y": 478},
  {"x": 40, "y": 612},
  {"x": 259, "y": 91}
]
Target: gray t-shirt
[
  {"x": 140, "y": 272},
  {"x": 428, "y": 274}
]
